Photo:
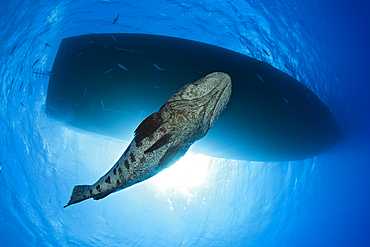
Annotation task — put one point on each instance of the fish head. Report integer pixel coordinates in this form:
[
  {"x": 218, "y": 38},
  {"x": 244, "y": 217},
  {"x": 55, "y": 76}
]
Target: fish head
[{"x": 204, "y": 99}]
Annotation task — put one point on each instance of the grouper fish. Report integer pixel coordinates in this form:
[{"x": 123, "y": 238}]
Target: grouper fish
[{"x": 164, "y": 137}]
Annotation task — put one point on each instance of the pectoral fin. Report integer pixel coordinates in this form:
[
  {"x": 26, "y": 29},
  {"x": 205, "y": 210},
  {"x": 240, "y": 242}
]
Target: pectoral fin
[
  {"x": 172, "y": 155},
  {"x": 167, "y": 138}
]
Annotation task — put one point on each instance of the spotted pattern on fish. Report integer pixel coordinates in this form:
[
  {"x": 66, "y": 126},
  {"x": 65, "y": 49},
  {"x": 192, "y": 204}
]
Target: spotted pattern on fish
[
  {"x": 132, "y": 156},
  {"x": 142, "y": 160},
  {"x": 164, "y": 136},
  {"x": 127, "y": 164}
]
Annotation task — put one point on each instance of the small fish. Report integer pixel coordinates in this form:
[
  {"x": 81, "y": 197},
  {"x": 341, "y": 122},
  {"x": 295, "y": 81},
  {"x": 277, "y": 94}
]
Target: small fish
[
  {"x": 141, "y": 113},
  {"x": 35, "y": 63},
  {"x": 259, "y": 77},
  {"x": 122, "y": 67},
  {"x": 85, "y": 92},
  {"x": 64, "y": 53},
  {"x": 11, "y": 85},
  {"x": 114, "y": 110},
  {"x": 286, "y": 101},
  {"x": 20, "y": 72},
  {"x": 79, "y": 54},
  {"x": 265, "y": 52},
  {"x": 47, "y": 45},
  {"x": 286, "y": 66},
  {"x": 114, "y": 38},
  {"x": 157, "y": 67},
  {"x": 48, "y": 73},
  {"x": 291, "y": 70},
  {"x": 115, "y": 19},
  {"x": 308, "y": 31},
  {"x": 102, "y": 104},
  {"x": 132, "y": 51},
  {"x": 295, "y": 7},
  {"x": 13, "y": 49},
  {"x": 164, "y": 137},
  {"x": 20, "y": 87},
  {"x": 109, "y": 70},
  {"x": 318, "y": 37}
]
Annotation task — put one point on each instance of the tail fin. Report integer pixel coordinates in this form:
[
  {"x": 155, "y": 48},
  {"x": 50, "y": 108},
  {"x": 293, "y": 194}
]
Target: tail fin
[{"x": 77, "y": 194}]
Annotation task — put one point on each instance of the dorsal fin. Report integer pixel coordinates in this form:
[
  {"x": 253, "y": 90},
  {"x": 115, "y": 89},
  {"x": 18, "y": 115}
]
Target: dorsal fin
[
  {"x": 167, "y": 138},
  {"x": 148, "y": 126}
]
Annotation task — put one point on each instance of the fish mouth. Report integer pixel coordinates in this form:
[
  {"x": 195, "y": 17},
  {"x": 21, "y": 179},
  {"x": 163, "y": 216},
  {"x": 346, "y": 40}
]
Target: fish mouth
[
  {"x": 206, "y": 98},
  {"x": 216, "y": 100},
  {"x": 201, "y": 93},
  {"x": 221, "y": 88}
]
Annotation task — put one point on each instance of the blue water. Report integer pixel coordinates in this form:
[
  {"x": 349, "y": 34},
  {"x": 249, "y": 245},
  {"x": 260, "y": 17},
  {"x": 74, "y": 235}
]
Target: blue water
[{"x": 200, "y": 201}]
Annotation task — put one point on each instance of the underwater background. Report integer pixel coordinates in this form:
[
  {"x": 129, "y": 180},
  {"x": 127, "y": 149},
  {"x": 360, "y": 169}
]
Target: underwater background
[{"x": 200, "y": 201}]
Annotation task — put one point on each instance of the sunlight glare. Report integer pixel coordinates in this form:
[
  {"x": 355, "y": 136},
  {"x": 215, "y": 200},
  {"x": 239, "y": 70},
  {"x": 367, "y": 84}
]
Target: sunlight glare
[{"x": 189, "y": 172}]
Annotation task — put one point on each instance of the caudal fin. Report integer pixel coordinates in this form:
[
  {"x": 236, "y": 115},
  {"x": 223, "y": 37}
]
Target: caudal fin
[{"x": 78, "y": 194}]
